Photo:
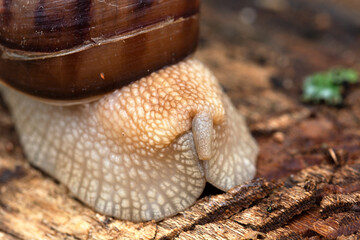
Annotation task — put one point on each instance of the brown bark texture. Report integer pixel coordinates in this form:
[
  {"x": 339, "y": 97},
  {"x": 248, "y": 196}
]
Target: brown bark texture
[{"x": 308, "y": 171}]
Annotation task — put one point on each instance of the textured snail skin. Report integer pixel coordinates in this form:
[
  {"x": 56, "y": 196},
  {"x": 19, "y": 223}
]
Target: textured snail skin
[{"x": 134, "y": 154}]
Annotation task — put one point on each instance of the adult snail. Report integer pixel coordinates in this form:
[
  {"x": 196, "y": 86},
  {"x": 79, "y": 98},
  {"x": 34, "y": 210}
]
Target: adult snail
[{"x": 130, "y": 143}]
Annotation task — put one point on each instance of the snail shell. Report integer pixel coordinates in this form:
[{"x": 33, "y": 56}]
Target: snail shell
[
  {"x": 145, "y": 149},
  {"x": 76, "y": 49}
]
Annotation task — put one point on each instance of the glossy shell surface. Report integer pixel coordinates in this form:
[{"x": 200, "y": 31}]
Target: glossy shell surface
[{"x": 75, "y": 49}]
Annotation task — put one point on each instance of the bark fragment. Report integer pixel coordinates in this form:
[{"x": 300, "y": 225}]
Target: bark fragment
[
  {"x": 341, "y": 224},
  {"x": 211, "y": 209},
  {"x": 277, "y": 209},
  {"x": 337, "y": 203}
]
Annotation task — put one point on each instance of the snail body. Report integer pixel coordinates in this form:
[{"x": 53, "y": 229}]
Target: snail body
[{"x": 147, "y": 145}]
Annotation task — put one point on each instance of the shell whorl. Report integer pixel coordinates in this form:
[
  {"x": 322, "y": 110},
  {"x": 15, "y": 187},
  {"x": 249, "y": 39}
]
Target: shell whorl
[{"x": 76, "y": 49}]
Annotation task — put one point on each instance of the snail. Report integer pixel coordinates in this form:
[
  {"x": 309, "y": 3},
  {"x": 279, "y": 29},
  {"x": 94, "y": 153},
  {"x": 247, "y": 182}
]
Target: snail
[{"x": 107, "y": 98}]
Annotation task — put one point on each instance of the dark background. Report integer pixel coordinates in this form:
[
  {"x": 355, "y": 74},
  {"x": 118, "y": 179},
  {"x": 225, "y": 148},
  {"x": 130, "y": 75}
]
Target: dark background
[{"x": 261, "y": 51}]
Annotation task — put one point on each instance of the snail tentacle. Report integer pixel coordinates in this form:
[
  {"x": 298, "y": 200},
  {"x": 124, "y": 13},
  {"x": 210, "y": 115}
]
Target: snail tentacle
[{"x": 202, "y": 128}]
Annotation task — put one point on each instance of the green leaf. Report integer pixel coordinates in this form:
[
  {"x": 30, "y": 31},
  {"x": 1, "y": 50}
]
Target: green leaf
[
  {"x": 340, "y": 76},
  {"x": 328, "y": 86}
]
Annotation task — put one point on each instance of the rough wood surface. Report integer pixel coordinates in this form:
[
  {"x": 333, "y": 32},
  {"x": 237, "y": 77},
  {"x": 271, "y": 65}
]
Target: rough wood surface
[{"x": 308, "y": 178}]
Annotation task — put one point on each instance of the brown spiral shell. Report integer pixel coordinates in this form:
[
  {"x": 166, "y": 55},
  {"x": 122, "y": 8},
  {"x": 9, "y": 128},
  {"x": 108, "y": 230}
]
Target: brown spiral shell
[{"x": 76, "y": 49}]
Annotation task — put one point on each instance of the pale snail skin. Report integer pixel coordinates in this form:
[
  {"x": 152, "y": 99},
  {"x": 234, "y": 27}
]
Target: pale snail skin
[{"x": 135, "y": 153}]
